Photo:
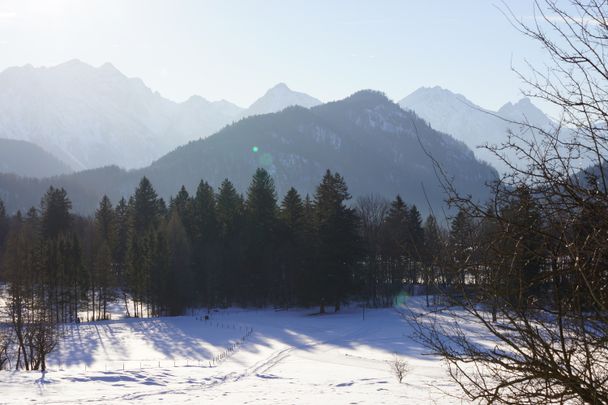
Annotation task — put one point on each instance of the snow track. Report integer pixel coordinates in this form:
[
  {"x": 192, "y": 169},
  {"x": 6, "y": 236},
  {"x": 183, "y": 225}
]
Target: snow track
[{"x": 290, "y": 358}]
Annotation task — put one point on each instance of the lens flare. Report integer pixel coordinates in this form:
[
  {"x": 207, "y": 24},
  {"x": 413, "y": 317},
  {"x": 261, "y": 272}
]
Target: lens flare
[
  {"x": 400, "y": 299},
  {"x": 255, "y": 149},
  {"x": 266, "y": 160}
]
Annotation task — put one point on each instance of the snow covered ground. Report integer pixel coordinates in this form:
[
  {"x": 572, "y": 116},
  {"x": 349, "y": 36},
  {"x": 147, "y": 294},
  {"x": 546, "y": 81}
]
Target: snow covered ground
[{"x": 292, "y": 357}]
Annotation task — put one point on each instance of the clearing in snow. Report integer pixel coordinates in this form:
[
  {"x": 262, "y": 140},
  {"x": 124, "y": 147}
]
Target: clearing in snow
[{"x": 238, "y": 356}]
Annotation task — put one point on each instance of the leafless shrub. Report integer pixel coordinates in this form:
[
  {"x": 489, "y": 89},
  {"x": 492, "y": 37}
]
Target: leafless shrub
[
  {"x": 399, "y": 368},
  {"x": 535, "y": 278}
]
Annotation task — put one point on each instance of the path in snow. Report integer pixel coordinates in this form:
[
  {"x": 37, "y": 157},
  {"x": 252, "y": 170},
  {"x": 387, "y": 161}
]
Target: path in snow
[{"x": 291, "y": 357}]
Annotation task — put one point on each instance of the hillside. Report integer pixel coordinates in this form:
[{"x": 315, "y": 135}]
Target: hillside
[
  {"x": 26, "y": 159},
  {"x": 95, "y": 116},
  {"x": 377, "y": 147},
  {"x": 454, "y": 114}
]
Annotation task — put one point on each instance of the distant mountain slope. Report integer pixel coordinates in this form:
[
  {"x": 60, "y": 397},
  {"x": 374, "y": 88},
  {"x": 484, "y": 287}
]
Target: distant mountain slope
[
  {"x": 91, "y": 117},
  {"x": 26, "y": 159},
  {"x": 374, "y": 144},
  {"x": 454, "y": 114},
  {"x": 278, "y": 98}
]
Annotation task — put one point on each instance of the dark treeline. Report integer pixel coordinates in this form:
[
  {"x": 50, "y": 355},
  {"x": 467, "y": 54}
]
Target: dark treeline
[{"x": 213, "y": 248}]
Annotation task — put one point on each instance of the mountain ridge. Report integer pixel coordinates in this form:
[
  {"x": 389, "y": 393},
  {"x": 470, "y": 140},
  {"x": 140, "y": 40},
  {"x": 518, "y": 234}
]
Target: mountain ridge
[
  {"x": 370, "y": 140},
  {"x": 477, "y": 127}
]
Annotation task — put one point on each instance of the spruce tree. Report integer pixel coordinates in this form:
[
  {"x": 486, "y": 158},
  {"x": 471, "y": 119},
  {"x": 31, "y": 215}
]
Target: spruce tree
[
  {"x": 119, "y": 255},
  {"x": 145, "y": 213},
  {"x": 431, "y": 254},
  {"x": 461, "y": 247},
  {"x": 147, "y": 208},
  {"x": 261, "y": 277},
  {"x": 338, "y": 240},
  {"x": 205, "y": 237},
  {"x": 55, "y": 207},
  {"x": 415, "y": 242},
  {"x": 291, "y": 268},
  {"x": 229, "y": 210},
  {"x": 179, "y": 278},
  {"x": 4, "y": 227},
  {"x": 396, "y": 242},
  {"x": 103, "y": 275}
]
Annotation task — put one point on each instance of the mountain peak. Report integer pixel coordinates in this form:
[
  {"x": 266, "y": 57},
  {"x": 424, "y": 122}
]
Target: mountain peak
[
  {"x": 525, "y": 111},
  {"x": 373, "y": 96},
  {"x": 110, "y": 68},
  {"x": 74, "y": 63},
  {"x": 279, "y": 87},
  {"x": 196, "y": 99},
  {"x": 278, "y": 98}
]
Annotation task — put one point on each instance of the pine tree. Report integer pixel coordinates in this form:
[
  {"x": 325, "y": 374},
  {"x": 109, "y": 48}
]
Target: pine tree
[
  {"x": 307, "y": 293},
  {"x": 396, "y": 244},
  {"x": 292, "y": 275},
  {"x": 230, "y": 211},
  {"x": 147, "y": 208},
  {"x": 205, "y": 237},
  {"x": 415, "y": 239},
  {"x": 55, "y": 206},
  {"x": 261, "y": 277},
  {"x": 522, "y": 243},
  {"x": 4, "y": 227},
  {"x": 182, "y": 204},
  {"x": 338, "y": 241},
  {"x": 119, "y": 255},
  {"x": 431, "y": 253},
  {"x": 145, "y": 213},
  {"x": 461, "y": 247},
  {"x": 180, "y": 279},
  {"x": 103, "y": 275}
]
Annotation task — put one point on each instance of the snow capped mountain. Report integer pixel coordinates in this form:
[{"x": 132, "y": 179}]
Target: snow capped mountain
[
  {"x": 90, "y": 117},
  {"x": 278, "y": 98},
  {"x": 377, "y": 146},
  {"x": 456, "y": 115},
  {"x": 525, "y": 111}
]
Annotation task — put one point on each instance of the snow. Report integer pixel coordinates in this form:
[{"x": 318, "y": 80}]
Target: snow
[
  {"x": 455, "y": 115},
  {"x": 291, "y": 356},
  {"x": 90, "y": 117}
]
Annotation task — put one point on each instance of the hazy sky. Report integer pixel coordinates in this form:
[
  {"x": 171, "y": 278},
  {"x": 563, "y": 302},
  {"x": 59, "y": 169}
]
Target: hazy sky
[{"x": 236, "y": 50}]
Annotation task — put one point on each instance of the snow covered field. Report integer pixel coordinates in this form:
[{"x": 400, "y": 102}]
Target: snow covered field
[{"x": 291, "y": 357}]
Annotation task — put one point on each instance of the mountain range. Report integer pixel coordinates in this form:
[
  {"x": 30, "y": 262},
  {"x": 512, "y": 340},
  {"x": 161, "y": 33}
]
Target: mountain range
[
  {"x": 91, "y": 117},
  {"x": 377, "y": 146},
  {"x": 454, "y": 114},
  {"x": 112, "y": 130}
]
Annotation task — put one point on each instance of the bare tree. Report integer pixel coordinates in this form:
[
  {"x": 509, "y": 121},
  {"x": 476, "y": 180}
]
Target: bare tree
[
  {"x": 399, "y": 368},
  {"x": 372, "y": 210},
  {"x": 537, "y": 276},
  {"x": 6, "y": 342}
]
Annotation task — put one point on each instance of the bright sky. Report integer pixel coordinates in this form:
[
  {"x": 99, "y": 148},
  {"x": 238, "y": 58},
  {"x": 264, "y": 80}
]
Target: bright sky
[{"x": 236, "y": 50}]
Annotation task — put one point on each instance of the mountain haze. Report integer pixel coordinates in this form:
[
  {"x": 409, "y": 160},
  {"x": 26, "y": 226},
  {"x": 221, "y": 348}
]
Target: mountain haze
[
  {"x": 377, "y": 146},
  {"x": 90, "y": 117},
  {"x": 278, "y": 98},
  {"x": 456, "y": 115},
  {"x": 26, "y": 159}
]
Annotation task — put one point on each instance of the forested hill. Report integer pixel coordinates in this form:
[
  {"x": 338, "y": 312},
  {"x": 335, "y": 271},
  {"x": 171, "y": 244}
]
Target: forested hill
[
  {"x": 375, "y": 145},
  {"x": 28, "y": 159}
]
